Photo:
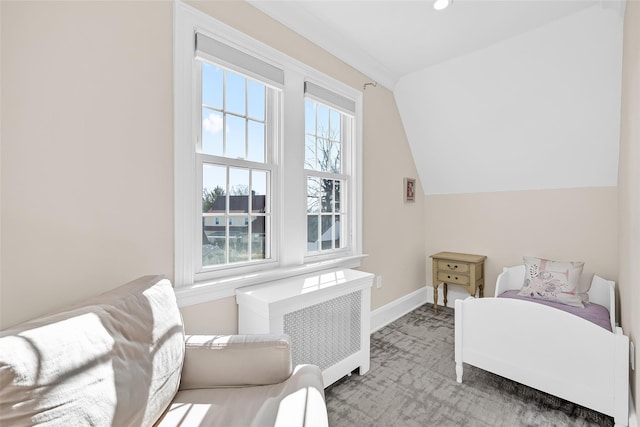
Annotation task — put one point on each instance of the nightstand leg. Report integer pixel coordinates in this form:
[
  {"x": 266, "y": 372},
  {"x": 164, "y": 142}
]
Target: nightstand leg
[
  {"x": 481, "y": 290},
  {"x": 444, "y": 285},
  {"x": 435, "y": 298}
]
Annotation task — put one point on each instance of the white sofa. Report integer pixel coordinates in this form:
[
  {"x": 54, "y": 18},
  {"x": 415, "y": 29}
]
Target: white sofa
[{"x": 122, "y": 359}]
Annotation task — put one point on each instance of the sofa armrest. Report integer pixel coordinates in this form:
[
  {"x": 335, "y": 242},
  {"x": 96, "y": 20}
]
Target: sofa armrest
[{"x": 235, "y": 360}]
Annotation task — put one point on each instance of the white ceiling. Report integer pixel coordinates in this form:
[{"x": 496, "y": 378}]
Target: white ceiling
[{"x": 388, "y": 39}]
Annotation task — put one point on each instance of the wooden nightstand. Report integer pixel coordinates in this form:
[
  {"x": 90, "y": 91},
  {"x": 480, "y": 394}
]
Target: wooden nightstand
[{"x": 458, "y": 269}]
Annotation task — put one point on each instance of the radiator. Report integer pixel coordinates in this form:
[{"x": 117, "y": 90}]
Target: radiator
[{"x": 326, "y": 315}]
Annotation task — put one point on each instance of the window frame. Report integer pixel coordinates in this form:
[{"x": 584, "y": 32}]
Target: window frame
[
  {"x": 272, "y": 105},
  {"x": 289, "y": 219},
  {"x": 346, "y": 170}
]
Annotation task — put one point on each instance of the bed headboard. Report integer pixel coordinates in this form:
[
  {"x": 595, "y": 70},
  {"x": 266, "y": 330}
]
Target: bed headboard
[
  {"x": 511, "y": 278},
  {"x": 602, "y": 291}
]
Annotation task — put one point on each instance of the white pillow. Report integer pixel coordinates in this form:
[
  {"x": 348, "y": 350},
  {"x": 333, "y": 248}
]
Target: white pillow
[
  {"x": 115, "y": 360},
  {"x": 553, "y": 281}
]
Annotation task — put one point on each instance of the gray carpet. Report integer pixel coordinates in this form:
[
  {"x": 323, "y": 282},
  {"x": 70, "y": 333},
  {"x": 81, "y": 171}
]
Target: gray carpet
[{"x": 412, "y": 382}]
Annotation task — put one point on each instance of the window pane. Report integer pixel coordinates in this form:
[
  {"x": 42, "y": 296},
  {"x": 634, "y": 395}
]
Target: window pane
[
  {"x": 214, "y": 183},
  {"x": 239, "y": 239},
  {"x": 327, "y": 231},
  {"x": 236, "y": 140},
  {"x": 235, "y": 95},
  {"x": 258, "y": 240},
  {"x": 259, "y": 181},
  {"x": 334, "y": 122},
  {"x": 336, "y": 228},
  {"x": 313, "y": 195},
  {"x": 334, "y": 155},
  {"x": 323, "y": 121},
  {"x": 208, "y": 222},
  {"x": 312, "y": 233},
  {"x": 324, "y": 155},
  {"x": 214, "y": 230},
  {"x": 212, "y": 125},
  {"x": 323, "y": 150},
  {"x": 213, "y": 255},
  {"x": 327, "y": 195},
  {"x": 256, "y": 141},
  {"x": 323, "y": 227},
  {"x": 238, "y": 190},
  {"x": 309, "y": 116},
  {"x": 211, "y": 85},
  {"x": 310, "y": 152},
  {"x": 256, "y": 100},
  {"x": 214, "y": 241},
  {"x": 258, "y": 191}
]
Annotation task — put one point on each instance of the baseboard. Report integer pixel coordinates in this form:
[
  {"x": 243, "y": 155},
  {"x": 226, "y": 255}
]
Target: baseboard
[{"x": 382, "y": 316}]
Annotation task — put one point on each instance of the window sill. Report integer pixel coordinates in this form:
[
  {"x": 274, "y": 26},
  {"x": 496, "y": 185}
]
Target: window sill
[{"x": 210, "y": 290}]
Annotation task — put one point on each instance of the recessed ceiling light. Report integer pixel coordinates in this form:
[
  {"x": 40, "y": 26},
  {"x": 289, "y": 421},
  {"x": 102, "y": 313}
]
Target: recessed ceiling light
[{"x": 441, "y": 4}]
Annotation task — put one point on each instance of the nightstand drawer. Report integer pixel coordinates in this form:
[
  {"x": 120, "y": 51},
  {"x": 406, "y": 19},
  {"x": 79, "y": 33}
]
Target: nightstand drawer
[
  {"x": 454, "y": 267},
  {"x": 451, "y": 277}
]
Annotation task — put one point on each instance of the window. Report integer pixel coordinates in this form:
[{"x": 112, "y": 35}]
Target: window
[
  {"x": 267, "y": 156},
  {"x": 325, "y": 133},
  {"x": 236, "y": 174}
]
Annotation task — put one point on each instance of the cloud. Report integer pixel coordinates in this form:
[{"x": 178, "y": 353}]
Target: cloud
[{"x": 212, "y": 123}]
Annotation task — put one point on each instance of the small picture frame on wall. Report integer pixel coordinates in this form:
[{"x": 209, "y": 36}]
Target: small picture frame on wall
[{"x": 409, "y": 190}]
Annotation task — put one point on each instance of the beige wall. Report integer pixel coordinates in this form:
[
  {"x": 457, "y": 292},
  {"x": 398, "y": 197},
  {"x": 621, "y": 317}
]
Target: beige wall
[
  {"x": 629, "y": 185},
  {"x": 87, "y": 150},
  {"x": 565, "y": 225},
  {"x": 214, "y": 317},
  {"x": 87, "y": 155},
  {"x": 393, "y": 229}
]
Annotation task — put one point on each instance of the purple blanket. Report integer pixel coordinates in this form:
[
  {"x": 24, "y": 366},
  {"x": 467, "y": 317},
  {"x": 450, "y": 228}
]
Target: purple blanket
[{"x": 594, "y": 313}]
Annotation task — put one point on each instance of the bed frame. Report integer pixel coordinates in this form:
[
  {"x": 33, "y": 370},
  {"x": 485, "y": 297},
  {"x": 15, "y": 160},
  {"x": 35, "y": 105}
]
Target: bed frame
[{"x": 546, "y": 348}]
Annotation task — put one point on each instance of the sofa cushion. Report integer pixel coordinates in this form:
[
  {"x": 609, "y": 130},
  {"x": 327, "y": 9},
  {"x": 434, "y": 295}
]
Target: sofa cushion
[
  {"x": 235, "y": 360},
  {"x": 114, "y": 360},
  {"x": 296, "y": 402}
]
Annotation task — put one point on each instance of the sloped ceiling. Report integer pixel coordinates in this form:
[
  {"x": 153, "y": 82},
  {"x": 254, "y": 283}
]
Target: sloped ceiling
[
  {"x": 540, "y": 110},
  {"x": 503, "y": 95}
]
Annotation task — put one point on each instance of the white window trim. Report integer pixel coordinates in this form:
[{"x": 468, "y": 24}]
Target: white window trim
[
  {"x": 287, "y": 210},
  {"x": 269, "y": 165}
]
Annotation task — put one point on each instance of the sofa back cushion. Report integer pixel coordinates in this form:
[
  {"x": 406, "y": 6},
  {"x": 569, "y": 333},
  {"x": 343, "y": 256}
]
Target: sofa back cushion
[{"x": 114, "y": 360}]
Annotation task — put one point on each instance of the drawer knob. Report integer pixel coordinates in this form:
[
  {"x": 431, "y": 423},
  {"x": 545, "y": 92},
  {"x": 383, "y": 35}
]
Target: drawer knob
[{"x": 453, "y": 267}]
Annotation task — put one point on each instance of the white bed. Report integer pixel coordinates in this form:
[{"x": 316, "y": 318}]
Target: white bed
[{"x": 546, "y": 348}]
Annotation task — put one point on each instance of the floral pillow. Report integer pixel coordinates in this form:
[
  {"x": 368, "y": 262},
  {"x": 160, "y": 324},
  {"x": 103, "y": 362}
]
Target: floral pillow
[{"x": 553, "y": 281}]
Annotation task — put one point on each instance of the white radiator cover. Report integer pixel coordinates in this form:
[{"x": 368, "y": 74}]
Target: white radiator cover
[{"x": 326, "y": 315}]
